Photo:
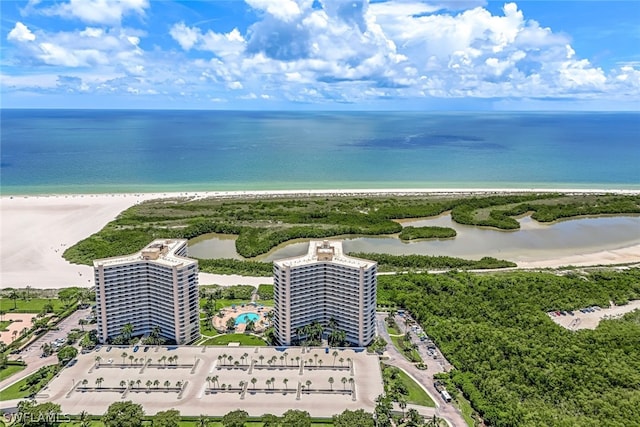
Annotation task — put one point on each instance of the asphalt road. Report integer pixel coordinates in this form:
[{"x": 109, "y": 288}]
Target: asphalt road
[
  {"x": 31, "y": 354},
  {"x": 444, "y": 410}
]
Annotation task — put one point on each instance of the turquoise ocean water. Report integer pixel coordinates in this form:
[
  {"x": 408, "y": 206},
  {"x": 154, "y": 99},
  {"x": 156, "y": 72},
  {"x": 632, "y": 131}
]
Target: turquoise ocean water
[{"x": 89, "y": 151}]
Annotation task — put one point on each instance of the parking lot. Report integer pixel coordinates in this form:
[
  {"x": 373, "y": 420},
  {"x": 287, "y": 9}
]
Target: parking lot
[
  {"x": 590, "y": 317},
  {"x": 110, "y": 374}
]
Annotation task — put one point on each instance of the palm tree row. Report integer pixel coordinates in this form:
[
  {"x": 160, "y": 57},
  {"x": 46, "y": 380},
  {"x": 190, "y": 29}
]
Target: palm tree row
[{"x": 137, "y": 383}]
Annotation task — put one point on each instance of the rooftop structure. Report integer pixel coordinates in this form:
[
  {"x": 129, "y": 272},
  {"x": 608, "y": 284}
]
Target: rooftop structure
[
  {"x": 328, "y": 287},
  {"x": 156, "y": 287}
]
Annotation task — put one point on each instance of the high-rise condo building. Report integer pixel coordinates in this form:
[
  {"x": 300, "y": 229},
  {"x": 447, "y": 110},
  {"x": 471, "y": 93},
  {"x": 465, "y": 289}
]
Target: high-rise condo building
[
  {"x": 157, "y": 286},
  {"x": 327, "y": 287}
]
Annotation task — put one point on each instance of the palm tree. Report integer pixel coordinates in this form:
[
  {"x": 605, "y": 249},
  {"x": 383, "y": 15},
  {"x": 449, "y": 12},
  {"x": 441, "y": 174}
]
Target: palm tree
[
  {"x": 131, "y": 383},
  {"x": 163, "y": 359},
  {"x": 14, "y": 335},
  {"x": 261, "y": 359},
  {"x": 208, "y": 379},
  {"x": 203, "y": 421},
  {"x": 268, "y": 383},
  {"x": 242, "y": 383},
  {"x": 282, "y": 360},
  {"x": 84, "y": 419},
  {"x": 85, "y": 382},
  {"x": 254, "y": 381},
  {"x": 298, "y": 360},
  {"x": 149, "y": 383},
  {"x": 99, "y": 381},
  {"x": 351, "y": 382},
  {"x": 320, "y": 362},
  {"x": 308, "y": 383},
  {"x": 315, "y": 357},
  {"x": 341, "y": 360},
  {"x": 214, "y": 380},
  {"x": 138, "y": 382},
  {"x": 175, "y": 359},
  {"x": 14, "y": 296},
  {"x": 230, "y": 359},
  {"x": 156, "y": 383},
  {"x": 334, "y": 354},
  {"x": 331, "y": 382},
  {"x": 167, "y": 383},
  {"x": 98, "y": 359},
  {"x": 127, "y": 331},
  {"x": 179, "y": 384},
  {"x": 124, "y": 356},
  {"x": 348, "y": 361},
  {"x": 131, "y": 359},
  {"x": 123, "y": 383},
  {"x": 285, "y": 354},
  {"x": 344, "y": 382},
  {"x": 403, "y": 404},
  {"x": 285, "y": 381}
]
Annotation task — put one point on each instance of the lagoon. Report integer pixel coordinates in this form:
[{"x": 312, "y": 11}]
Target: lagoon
[{"x": 533, "y": 241}]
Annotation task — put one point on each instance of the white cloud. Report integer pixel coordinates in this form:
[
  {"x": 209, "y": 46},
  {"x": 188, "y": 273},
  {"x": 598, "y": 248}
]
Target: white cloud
[
  {"x": 324, "y": 51},
  {"x": 185, "y": 36},
  {"x": 21, "y": 33},
  {"x": 285, "y": 10},
  {"x": 231, "y": 43},
  {"x": 109, "y": 12}
]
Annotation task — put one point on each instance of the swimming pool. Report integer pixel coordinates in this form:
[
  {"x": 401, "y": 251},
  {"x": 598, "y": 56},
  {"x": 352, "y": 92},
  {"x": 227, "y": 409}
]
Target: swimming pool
[{"x": 244, "y": 318}]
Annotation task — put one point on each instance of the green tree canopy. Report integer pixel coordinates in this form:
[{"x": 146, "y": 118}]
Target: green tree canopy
[
  {"x": 123, "y": 414},
  {"x": 296, "y": 418},
  {"x": 67, "y": 353},
  {"x": 42, "y": 415},
  {"x": 169, "y": 418},
  {"x": 349, "y": 418},
  {"x": 270, "y": 420},
  {"x": 235, "y": 418}
]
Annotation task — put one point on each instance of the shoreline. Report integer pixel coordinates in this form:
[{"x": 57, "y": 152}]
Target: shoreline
[
  {"x": 330, "y": 192},
  {"x": 37, "y": 229}
]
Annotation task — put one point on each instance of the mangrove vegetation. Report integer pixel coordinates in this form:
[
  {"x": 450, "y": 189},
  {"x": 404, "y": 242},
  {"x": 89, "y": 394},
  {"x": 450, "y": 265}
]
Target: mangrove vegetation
[{"x": 262, "y": 224}]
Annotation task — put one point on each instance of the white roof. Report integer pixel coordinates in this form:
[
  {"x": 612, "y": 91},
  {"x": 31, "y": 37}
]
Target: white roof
[
  {"x": 160, "y": 251},
  {"x": 329, "y": 252}
]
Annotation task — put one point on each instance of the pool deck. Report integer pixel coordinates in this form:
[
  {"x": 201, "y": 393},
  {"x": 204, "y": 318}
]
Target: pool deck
[{"x": 220, "y": 323}]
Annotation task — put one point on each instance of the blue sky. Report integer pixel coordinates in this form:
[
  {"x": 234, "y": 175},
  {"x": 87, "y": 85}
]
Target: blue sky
[{"x": 321, "y": 54}]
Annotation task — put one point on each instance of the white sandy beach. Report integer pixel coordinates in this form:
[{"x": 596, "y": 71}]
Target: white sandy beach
[{"x": 37, "y": 229}]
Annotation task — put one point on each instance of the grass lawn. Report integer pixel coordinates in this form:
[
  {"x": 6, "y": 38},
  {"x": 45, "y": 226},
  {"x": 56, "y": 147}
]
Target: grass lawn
[
  {"x": 465, "y": 408},
  {"x": 393, "y": 330},
  {"x": 416, "y": 394},
  {"x": 4, "y": 324},
  {"x": 34, "y": 305},
  {"x": 266, "y": 302},
  {"x": 241, "y": 338},
  {"x": 412, "y": 355},
  {"x": 222, "y": 303},
  {"x": 15, "y": 391},
  {"x": 9, "y": 370}
]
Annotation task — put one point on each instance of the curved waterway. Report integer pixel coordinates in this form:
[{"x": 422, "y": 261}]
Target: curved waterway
[{"x": 533, "y": 241}]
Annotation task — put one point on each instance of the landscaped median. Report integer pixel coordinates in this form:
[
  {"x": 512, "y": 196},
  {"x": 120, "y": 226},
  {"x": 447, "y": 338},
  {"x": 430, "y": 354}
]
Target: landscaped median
[{"x": 243, "y": 339}]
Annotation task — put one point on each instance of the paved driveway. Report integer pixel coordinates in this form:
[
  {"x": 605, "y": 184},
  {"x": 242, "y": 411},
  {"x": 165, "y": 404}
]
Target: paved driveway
[{"x": 444, "y": 410}]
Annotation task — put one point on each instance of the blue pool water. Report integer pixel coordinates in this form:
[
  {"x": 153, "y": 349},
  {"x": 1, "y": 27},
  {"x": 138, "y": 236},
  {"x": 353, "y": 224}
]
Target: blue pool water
[{"x": 244, "y": 318}]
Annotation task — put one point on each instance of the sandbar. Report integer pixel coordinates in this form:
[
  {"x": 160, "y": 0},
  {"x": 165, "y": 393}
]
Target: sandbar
[{"x": 36, "y": 230}]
